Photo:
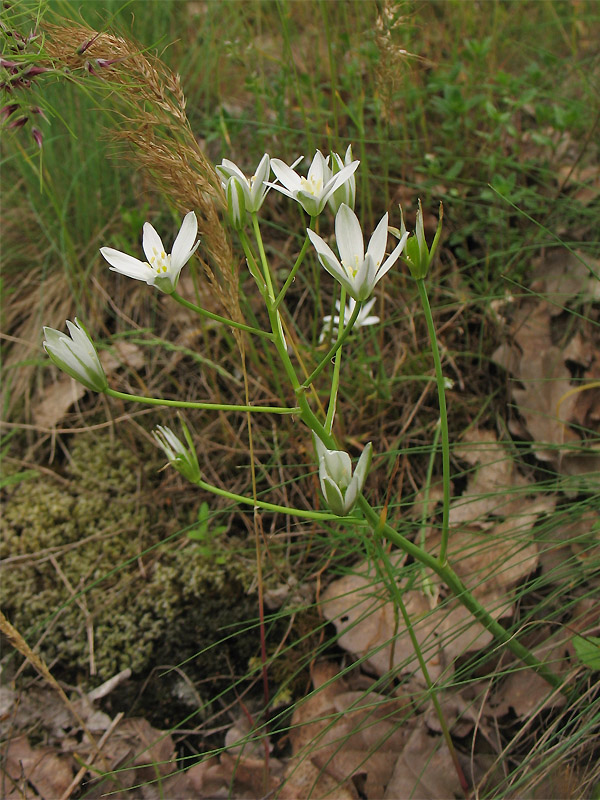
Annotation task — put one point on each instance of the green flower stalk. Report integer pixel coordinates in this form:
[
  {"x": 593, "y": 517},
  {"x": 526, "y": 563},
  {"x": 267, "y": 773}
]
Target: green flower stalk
[{"x": 76, "y": 355}]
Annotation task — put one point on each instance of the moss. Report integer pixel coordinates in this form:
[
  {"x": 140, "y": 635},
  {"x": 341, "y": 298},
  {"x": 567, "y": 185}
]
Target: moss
[{"x": 95, "y": 536}]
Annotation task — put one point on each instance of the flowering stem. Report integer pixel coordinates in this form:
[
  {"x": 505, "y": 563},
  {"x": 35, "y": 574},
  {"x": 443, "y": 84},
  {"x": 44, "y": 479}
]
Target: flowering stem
[
  {"x": 396, "y": 594},
  {"x": 230, "y": 322},
  {"x": 443, "y": 570},
  {"x": 157, "y": 401},
  {"x": 443, "y": 416},
  {"x": 335, "y": 380},
  {"x": 339, "y": 342},
  {"x": 460, "y": 591},
  {"x": 263, "y": 257},
  {"x": 250, "y": 501},
  {"x": 299, "y": 260}
]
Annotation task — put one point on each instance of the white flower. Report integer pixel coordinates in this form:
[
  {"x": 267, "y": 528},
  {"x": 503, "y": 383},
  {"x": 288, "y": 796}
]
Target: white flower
[
  {"x": 254, "y": 188},
  {"x": 346, "y": 193},
  {"x": 182, "y": 457},
  {"x": 358, "y": 273},
  {"x": 76, "y": 356},
  {"x": 331, "y": 325},
  {"x": 315, "y": 190},
  {"x": 161, "y": 270},
  {"x": 340, "y": 487}
]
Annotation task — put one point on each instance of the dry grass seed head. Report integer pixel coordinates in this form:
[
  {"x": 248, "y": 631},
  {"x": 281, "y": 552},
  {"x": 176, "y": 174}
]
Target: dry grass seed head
[{"x": 153, "y": 121}]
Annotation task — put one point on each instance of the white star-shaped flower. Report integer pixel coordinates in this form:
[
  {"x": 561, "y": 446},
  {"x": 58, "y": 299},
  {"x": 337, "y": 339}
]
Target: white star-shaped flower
[{"x": 161, "y": 269}]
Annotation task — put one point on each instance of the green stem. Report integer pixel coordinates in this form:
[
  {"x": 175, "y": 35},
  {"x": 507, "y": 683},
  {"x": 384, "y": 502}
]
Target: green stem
[
  {"x": 230, "y": 322},
  {"x": 157, "y": 401},
  {"x": 462, "y": 594},
  {"x": 443, "y": 570},
  {"x": 295, "y": 268},
  {"x": 439, "y": 377},
  {"x": 339, "y": 342},
  {"x": 425, "y": 579},
  {"x": 396, "y": 594},
  {"x": 335, "y": 380},
  {"x": 250, "y": 501},
  {"x": 263, "y": 256}
]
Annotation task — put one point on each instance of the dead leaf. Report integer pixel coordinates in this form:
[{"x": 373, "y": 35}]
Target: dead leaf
[
  {"x": 122, "y": 354},
  {"x": 494, "y": 485},
  {"x": 57, "y": 400},
  {"x": 50, "y": 773},
  {"x": 344, "y": 738},
  {"x": 424, "y": 770},
  {"x": 359, "y": 606}
]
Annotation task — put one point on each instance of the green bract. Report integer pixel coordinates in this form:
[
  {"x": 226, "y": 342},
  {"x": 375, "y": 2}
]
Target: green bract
[{"x": 76, "y": 355}]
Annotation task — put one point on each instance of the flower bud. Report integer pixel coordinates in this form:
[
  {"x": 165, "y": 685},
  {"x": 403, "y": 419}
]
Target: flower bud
[
  {"x": 417, "y": 255},
  {"x": 339, "y": 486},
  {"x": 181, "y": 456},
  {"x": 236, "y": 203},
  {"x": 76, "y": 355}
]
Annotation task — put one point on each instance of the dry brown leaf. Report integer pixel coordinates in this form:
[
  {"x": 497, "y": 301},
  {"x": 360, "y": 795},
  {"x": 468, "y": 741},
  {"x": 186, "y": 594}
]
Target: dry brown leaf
[
  {"x": 233, "y": 777},
  {"x": 57, "y": 400},
  {"x": 550, "y": 404},
  {"x": 344, "y": 738},
  {"x": 365, "y": 618},
  {"x": 51, "y": 774},
  {"x": 527, "y": 692},
  {"x": 424, "y": 770},
  {"x": 493, "y": 487},
  {"x": 122, "y": 354}
]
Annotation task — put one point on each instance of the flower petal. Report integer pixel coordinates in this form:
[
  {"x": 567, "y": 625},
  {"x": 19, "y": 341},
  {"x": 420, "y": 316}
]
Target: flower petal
[
  {"x": 333, "y": 496},
  {"x": 151, "y": 242},
  {"x": 318, "y": 172},
  {"x": 378, "y": 241},
  {"x": 349, "y": 238},
  {"x": 127, "y": 265},
  {"x": 184, "y": 246},
  {"x": 227, "y": 169},
  {"x": 287, "y": 176},
  {"x": 392, "y": 258}
]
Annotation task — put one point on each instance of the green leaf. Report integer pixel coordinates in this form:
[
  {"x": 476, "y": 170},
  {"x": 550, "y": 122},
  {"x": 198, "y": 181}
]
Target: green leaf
[{"x": 588, "y": 650}]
